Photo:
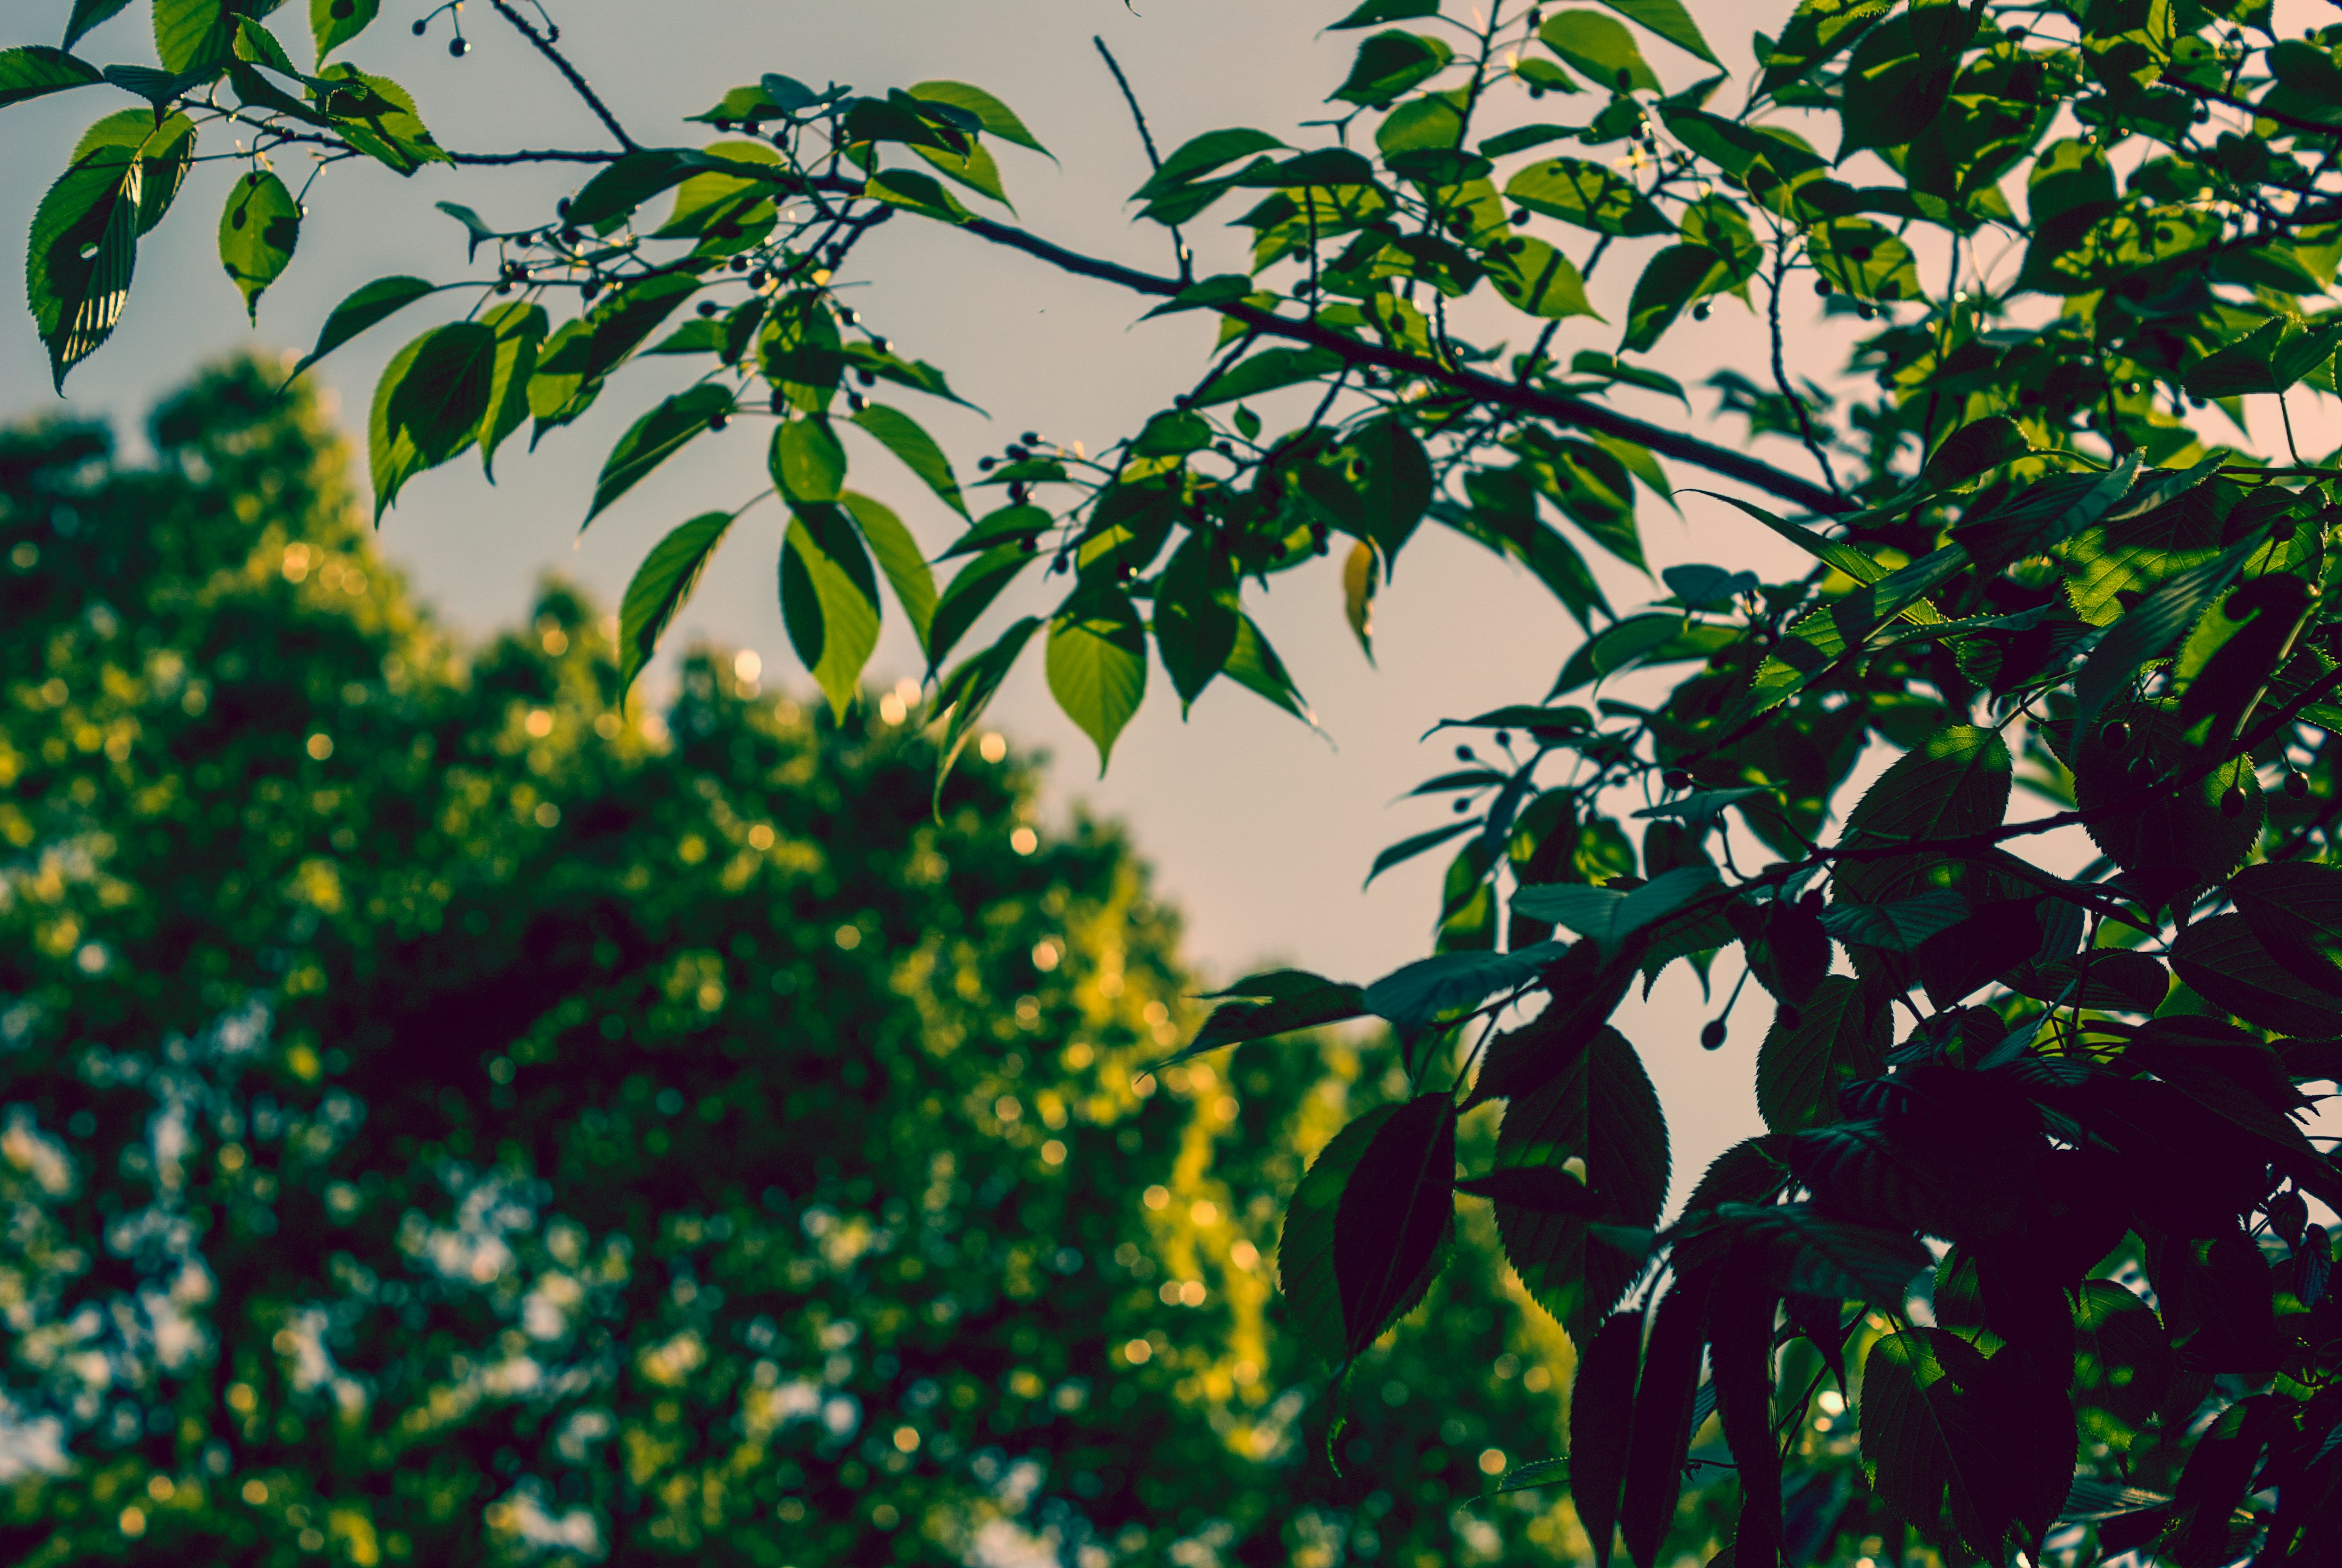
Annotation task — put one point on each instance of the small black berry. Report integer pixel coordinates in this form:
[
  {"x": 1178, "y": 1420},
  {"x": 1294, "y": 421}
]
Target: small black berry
[
  {"x": 1463, "y": 753},
  {"x": 984, "y": 464},
  {"x": 1674, "y": 779},
  {"x": 708, "y": 307},
  {"x": 2232, "y": 801},
  {"x": 2295, "y": 787},
  {"x": 1712, "y": 1037},
  {"x": 1699, "y": 310},
  {"x": 2115, "y": 736},
  {"x": 458, "y": 47},
  {"x": 418, "y": 28},
  {"x": 1503, "y": 737},
  {"x": 1822, "y": 287}
]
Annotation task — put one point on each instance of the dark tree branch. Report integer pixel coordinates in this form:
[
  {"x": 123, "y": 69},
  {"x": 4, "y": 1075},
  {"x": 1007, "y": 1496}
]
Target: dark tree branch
[
  {"x": 2236, "y": 101},
  {"x": 1473, "y": 385},
  {"x": 561, "y": 63},
  {"x": 1146, "y": 140}
]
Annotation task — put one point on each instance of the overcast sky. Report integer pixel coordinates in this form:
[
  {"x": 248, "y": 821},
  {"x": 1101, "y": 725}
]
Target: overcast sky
[{"x": 1260, "y": 829}]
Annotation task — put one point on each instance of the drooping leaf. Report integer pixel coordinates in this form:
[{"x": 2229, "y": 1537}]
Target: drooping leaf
[
  {"x": 1394, "y": 1217},
  {"x": 1097, "y": 664},
  {"x": 520, "y": 328},
  {"x": 377, "y": 301},
  {"x": 899, "y": 558},
  {"x": 809, "y": 460},
  {"x": 1670, "y": 21},
  {"x": 1607, "y": 916},
  {"x": 903, "y": 435},
  {"x": 84, "y": 247},
  {"x": 829, "y": 599},
  {"x": 428, "y": 405},
  {"x": 1601, "y": 1418},
  {"x": 1276, "y": 1003},
  {"x": 1599, "y": 47},
  {"x": 1535, "y": 277},
  {"x": 1665, "y": 1400},
  {"x": 662, "y": 586},
  {"x": 1413, "y": 994},
  {"x": 966, "y": 692},
  {"x": 971, "y": 591},
  {"x": 656, "y": 436},
  {"x": 258, "y": 230},
  {"x": 87, "y": 15}
]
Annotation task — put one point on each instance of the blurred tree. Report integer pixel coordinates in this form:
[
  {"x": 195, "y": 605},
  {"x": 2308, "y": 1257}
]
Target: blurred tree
[{"x": 441, "y": 1122}]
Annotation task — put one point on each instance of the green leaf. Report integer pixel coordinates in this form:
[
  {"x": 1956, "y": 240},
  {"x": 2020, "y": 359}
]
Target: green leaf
[
  {"x": 1599, "y": 47},
  {"x": 1665, "y": 1401},
  {"x": 2224, "y": 959},
  {"x": 968, "y": 690},
  {"x": 903, "y": 435},
  {"x": 334, "y": 23},
  {"x": 1837, "y": 1035},
  {"x": 1671, "y": 280},
  {"x": 1200, "y": 156},
  {"x": 809, "y": 460},
  {"x": 829, "y": 600},
  {"x": 1254, "y": 666},
  {"x": 1389, "y": 489},
  {"x": 520, "y": 328},
  {"x": 1818, "y": 31},
  {"x": 1827, "y": 1256},
  {"x": 1617, "y": 646},
  {"x": 1535, "y": 277},
  {"x": 899, "y": 557},
  {"x": 2149, "y": 627},
  {"x": 195, "y": 35},
  {"x": 1195, "y": 611},
  {"x": 84, "y": 246},
  {"x": 915, "y": 193},
  {"x": 1899, "y": 927},
  {"x": 1920, "y": 1435},
  {"x": 428, "y": 405},
  {"x": 974, "y": 168},
  {"x": 1601, "y": 1414},
  {"x": 1390, "y": 63},
  {"x": 631, "y": 181},
  {"x": 1901, "y": 74},
  {"x": 387, "y": 129},
  {"x": 1097, "y": 664},
  {"x": 996, "y": 118},
  {"x": 87, "y": 15},
  {"x": 36, "y": 71},
  {"x": 1266, "y": 371},
  {"x": 1393, "y": 1221},
  {"x": 377, "y": 301},
  {"x": 1974, "y": 447},
  {"x": 662, "y": 586},
  {"x": 1414, "y": 995},
  {"x": 970, "y": 592},
  {"x": 1374, "y": 12},
  {"x": 656, "y": 436},
  {"x": 258, "y": 230},
  {"x": 1607, "y": 916},
  {"x": 1277, "y": 1001},
  {"x": 1953, "y": 784},
  {"x": 1305, "y": 1242},
  {"x": 1588, "y": 195},
  {"x": 1670, "y": 21}
]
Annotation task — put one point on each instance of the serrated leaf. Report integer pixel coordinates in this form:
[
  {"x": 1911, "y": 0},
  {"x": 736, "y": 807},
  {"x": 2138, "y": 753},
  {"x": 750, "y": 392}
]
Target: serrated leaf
[
  {"x": 1096, "y": 664},
  {"x": 1599, "y": 47},
  {"x": 1837, "y": 1035},
  {"x": 662, "y": 586},
  {"x": 1277, "y": 1001},
  {"x": 82, "y": 249},
  {"x": 520, "y": 328},
  {"x": 1388, "y": 64},
  {"x": 1670, "y": 21},
  {"x": 1393, "y": 1221},
  {"x": 1414, "y": 995},
  {"x": 809, "y": 460},
  {"x": 996, "y": 118},
  {"x": 1535, "y": 277},
  {"x": 1899, "y": 925},
  {"x": 428, "y": 405},
  {"x": 1607, "y": 916},
  {"x": 35, "y": 70},
  {"x": 1587, "y": 195},
  {"x": 87, "y": 15}
]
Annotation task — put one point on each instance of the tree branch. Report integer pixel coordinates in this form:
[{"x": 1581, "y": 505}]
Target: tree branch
[
  {"x": 560, "y": 63},
  {"x": 1558, "y": 406},
  {"x": 1147, "y": 139}
]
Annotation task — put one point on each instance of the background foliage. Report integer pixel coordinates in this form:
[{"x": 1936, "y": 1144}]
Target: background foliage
[{"x": 499, "y": 1135}]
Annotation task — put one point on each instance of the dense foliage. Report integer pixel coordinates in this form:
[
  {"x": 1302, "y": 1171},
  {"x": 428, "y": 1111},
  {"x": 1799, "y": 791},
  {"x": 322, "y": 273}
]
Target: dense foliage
[
  {"x": 2034, "y": 1200},
  {"x": 440, "y": 1124}
]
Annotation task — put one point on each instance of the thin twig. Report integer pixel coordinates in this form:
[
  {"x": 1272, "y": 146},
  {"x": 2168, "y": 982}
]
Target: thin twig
[
  {"x": 1781, "y": 375},
  {"x": 560, "y": 63},
  {"x": 1146, "y": 140}
]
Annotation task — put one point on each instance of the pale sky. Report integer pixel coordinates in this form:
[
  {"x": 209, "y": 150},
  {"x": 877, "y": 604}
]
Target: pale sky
[{"x": 1260, "y": 830}]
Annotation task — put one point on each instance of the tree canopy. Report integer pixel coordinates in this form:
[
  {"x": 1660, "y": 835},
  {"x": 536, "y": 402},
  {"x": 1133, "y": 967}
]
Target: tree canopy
[
  {"x": 499, "y": 1134},
  {"x": 2035, "y": 1200}
]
